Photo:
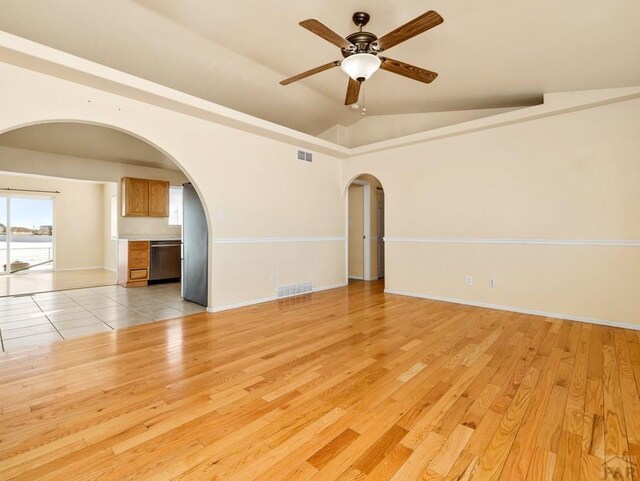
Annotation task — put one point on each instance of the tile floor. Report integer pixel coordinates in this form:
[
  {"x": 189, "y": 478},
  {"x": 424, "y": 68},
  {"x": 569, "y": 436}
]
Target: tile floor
[
  {"x": 32, "y": 282},
  {"x": 37, "y": 319}
]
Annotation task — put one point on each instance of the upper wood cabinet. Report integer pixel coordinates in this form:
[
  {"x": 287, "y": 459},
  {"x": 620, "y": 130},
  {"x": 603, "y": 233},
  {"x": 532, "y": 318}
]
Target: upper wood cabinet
[
  {"x": 135, "y": 197},
  {"x": 144, "y": 197},
  {"x": 158, "y": 198}
]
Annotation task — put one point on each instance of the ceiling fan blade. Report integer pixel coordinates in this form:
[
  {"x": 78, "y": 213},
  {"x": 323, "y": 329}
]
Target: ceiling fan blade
[
  {"x": 409, "y": 30},
  {"x": 321, "y": 30},
  {"x": 353, "y": 92},
  {"x": 406, "y": 70},
  {"x": 308, "y": 73}
]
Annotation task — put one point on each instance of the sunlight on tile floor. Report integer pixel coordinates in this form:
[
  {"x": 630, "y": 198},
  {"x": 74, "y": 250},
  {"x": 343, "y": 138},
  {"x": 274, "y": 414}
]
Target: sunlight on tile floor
[{"x": 38, "y": 319}]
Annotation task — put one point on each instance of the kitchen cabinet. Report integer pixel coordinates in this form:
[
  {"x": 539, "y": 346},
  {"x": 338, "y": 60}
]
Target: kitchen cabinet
[
  {"x": 158, "y": 198},
  {"x": 133, "y": 263},
  {"x": 145, "y": 198},
  {"x": 135, "y": 197}
]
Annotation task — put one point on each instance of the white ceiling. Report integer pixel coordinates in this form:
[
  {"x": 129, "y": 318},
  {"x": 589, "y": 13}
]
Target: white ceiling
[
  {"x": 489, "y": 54},
  {"x": 87, "y": 142}
]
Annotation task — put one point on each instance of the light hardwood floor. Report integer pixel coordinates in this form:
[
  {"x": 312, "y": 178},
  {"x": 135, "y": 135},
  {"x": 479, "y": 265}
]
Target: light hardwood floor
[
  {"x": 35, "y": 282},
  {"x": 347, "y": 384}
]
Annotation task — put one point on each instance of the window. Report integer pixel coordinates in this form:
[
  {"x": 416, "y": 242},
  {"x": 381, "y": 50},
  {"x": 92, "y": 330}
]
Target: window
[
  {"x": 26, "y": 234},
  {"x": 175, "y": 206}
]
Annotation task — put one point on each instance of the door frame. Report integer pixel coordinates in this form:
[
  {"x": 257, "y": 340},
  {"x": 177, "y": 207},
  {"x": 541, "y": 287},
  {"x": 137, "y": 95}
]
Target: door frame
[
  {"x": 380, "y": 239},
  {"x": 366, "y": 212}
]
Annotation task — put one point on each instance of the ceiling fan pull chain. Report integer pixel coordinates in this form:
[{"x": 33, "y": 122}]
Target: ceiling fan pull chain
[{"x": 364, "y": 105}]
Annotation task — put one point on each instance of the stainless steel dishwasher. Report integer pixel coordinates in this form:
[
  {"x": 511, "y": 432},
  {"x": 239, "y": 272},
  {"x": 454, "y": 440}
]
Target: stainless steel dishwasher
[{"x": 166, "y": 260}]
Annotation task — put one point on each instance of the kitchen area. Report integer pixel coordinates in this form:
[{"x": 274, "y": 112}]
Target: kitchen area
[
  {"x": 158, "y": 234},
  {"x": 127, "y": 243},
  {"x": 163, "y": 258}
]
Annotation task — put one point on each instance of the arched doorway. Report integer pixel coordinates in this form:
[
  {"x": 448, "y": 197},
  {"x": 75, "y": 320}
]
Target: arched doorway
[
  {"x": 93, "y": 153},
  {"x": 365, "y": 229}
]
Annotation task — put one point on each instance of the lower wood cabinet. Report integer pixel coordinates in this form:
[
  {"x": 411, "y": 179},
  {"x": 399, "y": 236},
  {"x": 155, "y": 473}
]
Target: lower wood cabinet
[{"x": 133, "y": 263}]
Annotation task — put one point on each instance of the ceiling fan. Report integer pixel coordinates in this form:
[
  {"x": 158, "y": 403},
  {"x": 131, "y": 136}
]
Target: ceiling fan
[{"x": 360, "y": 51}]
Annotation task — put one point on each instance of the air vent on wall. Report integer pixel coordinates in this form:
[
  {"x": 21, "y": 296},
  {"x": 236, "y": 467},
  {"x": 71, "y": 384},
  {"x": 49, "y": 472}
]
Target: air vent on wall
[
  {"x": 295, "y": 289},
  {"x": 306, "y": 156}
]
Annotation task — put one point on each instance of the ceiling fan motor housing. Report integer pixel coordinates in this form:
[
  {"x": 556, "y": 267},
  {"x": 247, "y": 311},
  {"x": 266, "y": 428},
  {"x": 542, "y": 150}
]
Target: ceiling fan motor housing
[{"x": 362, "y": 42}]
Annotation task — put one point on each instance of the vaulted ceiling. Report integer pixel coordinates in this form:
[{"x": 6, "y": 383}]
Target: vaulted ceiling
[{"x": 490, "y": 54}]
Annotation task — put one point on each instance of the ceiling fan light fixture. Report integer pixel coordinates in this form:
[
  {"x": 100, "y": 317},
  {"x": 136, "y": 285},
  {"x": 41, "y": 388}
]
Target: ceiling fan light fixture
[{"x": 360, "y": 66}]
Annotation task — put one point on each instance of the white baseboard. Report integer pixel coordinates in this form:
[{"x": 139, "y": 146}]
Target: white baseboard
[
  {"x": 80, "y": 269},
  {"x": 109, "y": 269},
  {"x": 360, "y": 278},
  {"x": 520, "y": 310},
  {"x": 326, "y": 288},
  {"x": 251, "y": 302}
]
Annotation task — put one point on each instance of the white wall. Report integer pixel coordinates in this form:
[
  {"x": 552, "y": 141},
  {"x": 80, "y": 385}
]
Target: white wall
[
  {"x": 110, "y": 257},
  {"x": 463, "y": 205}
]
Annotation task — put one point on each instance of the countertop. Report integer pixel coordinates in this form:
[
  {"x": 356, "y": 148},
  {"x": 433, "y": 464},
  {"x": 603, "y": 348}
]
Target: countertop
[{"x": 152, "y": 239}]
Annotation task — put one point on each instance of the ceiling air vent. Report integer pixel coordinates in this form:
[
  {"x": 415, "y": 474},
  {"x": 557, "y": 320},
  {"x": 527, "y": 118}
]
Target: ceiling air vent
[{"x": 306, "y": 156}]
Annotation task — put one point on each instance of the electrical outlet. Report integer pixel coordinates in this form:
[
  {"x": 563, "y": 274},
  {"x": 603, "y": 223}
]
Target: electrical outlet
[
  {"x": 273, "y": 277},
  {"x": 492, "y": 282},
  {"x": 468, "y": 280}
]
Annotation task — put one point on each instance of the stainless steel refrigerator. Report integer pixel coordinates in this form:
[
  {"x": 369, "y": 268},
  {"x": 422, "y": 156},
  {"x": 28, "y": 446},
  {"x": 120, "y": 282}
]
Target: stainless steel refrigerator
[{"x": 195, "y": 245}]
